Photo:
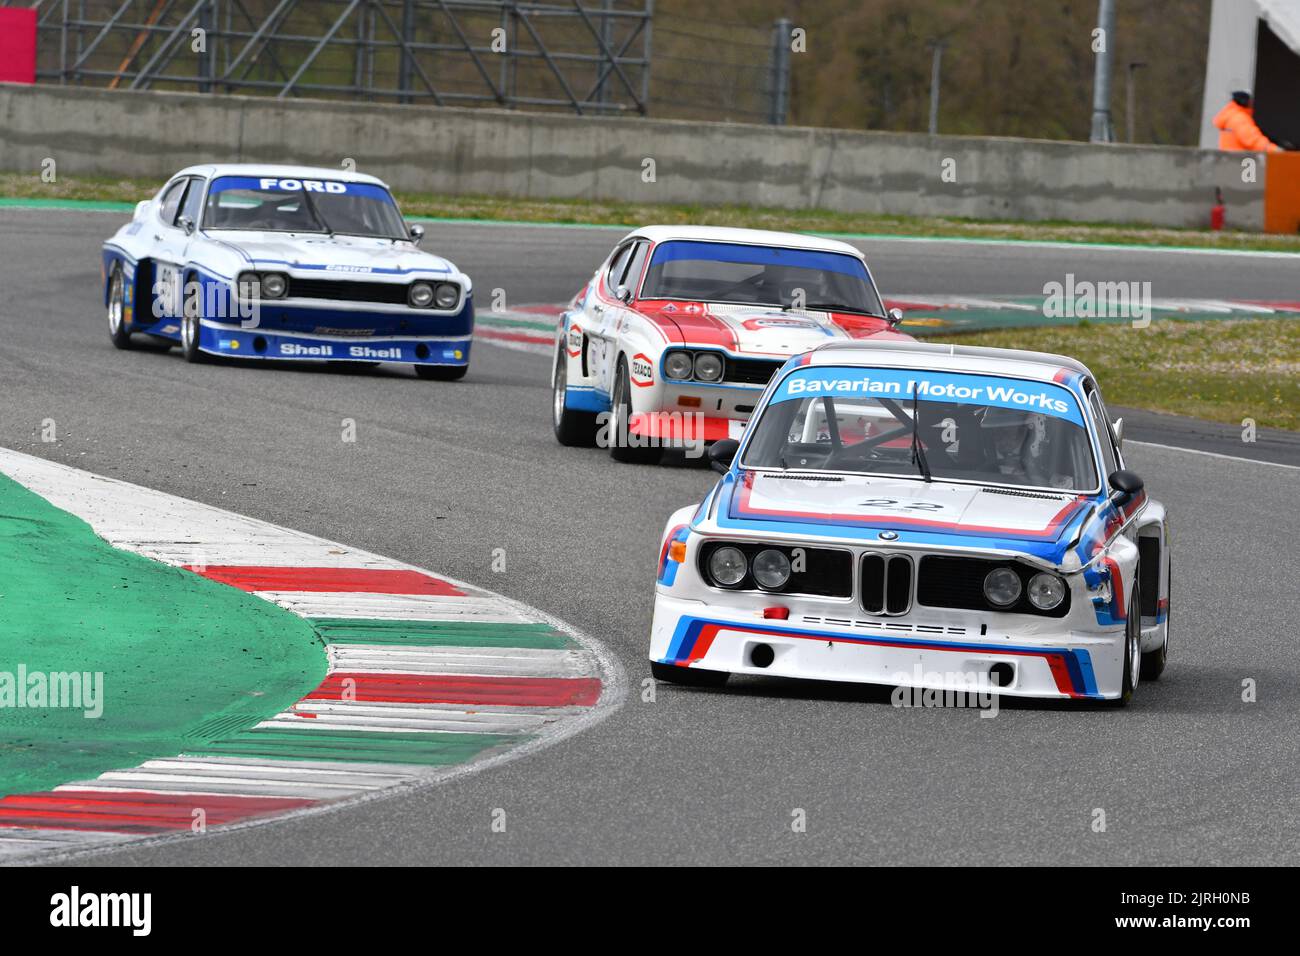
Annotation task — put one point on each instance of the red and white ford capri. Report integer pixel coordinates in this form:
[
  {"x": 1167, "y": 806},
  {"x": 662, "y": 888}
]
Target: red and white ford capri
[{"x": 674, "y": 338}]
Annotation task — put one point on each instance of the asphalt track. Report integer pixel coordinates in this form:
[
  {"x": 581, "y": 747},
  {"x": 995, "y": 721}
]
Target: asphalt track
[{"x": 441, "y": 474}]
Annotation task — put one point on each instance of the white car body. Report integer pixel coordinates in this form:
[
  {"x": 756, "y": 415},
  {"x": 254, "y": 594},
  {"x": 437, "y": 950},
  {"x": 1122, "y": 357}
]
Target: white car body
[
  {"x": 603, "y": 331},
  {"x": 347, "y": 294},
  {"x": 1100, "y": 542}
]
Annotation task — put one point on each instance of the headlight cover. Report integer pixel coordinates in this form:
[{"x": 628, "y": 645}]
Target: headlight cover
[
  {"x": 448, "y": 294},
  {"x": 420, "y": 295},
  {"x": 771, "y": 569},
  {"x": 727, "y": 567},
  {"x": 1002, "y": 587},
  {"x": 708, "y": 367},
  {"x": 250, "y": 285},
  {"x": 273, "y": 285},
  {"x": 678, "y": 365},
  {"x": 1046, "y": 591}
]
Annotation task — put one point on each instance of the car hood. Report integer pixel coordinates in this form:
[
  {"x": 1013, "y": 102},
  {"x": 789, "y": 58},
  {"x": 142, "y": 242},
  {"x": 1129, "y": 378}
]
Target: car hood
[
  {"x": 345, "y": 254},
  {"x": 917, "y": 512},
  {"x": 763, "y": 330}
]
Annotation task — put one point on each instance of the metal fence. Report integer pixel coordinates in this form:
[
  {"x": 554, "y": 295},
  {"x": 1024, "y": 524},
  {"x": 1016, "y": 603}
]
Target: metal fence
[
  {"x": 585, "y": 59},
  {"x": 590, "y": 57},
  {"x": 711, "y": 69}
]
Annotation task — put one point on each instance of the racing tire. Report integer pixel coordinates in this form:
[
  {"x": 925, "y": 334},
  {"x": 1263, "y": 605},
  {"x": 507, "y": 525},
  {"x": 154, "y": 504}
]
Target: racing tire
[
  {"x": 690, "y": 676},
  {"x": 117, "y": 331},
  {"x": 191, "y": 326},
  {"x": 621, "y": 404},
  {"x": 441, "y": 373},
  {"x": 572, "y": 428},
  {"x": 1132, "y": 648},
  {"x": 1153, "y": 662}
]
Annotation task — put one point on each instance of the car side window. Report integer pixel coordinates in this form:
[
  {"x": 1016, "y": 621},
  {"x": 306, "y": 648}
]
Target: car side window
[
  {"x": 171, "y": 201},
  {"x": 617, "y": 266},
  {"x": 193, "y": 204},
  {"x": 1109, "y": 457},
  {"x": 632, "y": 274}
]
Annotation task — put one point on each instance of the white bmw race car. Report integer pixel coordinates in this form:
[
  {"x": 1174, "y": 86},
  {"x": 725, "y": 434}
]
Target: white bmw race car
[
  {"x": 921, "y": 516},
  {"x": 285, "y": 262},
  {"x": 681, "y": 327}
]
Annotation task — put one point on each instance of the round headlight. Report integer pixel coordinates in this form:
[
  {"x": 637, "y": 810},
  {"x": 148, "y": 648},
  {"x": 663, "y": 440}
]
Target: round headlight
[
  {"x": 420, "y": 295},
  {"x": 447, "y": 296},
  {"x": 678, "y": 365},
  {"x": 250, "y": 285},
  {"x": 708, "y": 367},
  {"x": 771, "y": 569},
  {"x": 1046, "y": 591},
  {"x": 1002, "y": 587},
  {"x": 274, "y": 285},
  {"x": 727, "y": 567}
]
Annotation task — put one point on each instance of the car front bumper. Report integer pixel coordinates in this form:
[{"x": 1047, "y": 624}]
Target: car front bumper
[
  {"x": 1068, "y": 664},
  {"x": 260, "y": 343}
]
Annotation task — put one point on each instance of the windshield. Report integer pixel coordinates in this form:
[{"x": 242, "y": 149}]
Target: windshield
[
  {"x": 800, "y": 279},
  {"x": 981, "y": 428},
  {"x": 302, "y": 205}
]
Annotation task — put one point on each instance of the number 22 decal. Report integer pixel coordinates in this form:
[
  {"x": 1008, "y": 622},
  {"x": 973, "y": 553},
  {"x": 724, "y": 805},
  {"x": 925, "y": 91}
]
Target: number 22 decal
[{"x": 893, "y": 504}]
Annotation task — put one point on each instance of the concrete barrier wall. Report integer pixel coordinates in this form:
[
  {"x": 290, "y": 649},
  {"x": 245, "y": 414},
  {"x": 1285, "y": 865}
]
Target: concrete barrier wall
[{"x": 545, "y": 156}]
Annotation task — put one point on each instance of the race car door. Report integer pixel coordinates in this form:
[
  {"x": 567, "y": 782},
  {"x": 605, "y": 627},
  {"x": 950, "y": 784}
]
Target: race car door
[
  {"x": 172, "y": 233},
  {"x": 617, "y": 312}
]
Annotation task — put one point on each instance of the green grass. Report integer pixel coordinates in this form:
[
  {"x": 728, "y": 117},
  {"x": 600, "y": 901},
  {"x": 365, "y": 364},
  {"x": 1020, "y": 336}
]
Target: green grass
[
  {"x": 1223, "y": 371},
  {"x": 595, "y": 212},
  {"x": 176, "y": 651}
]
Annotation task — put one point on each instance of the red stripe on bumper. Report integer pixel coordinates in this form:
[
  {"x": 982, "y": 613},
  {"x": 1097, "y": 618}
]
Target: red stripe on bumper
[
  {"x": 128, "y": 811},
  {"x": 678, "y": 427},
  {"x": 365, "y": 580},
  {"x": 457, "y": 689}
]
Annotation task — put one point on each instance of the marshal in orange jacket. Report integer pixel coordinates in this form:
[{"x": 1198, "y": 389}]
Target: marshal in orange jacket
[{"x": 1238, "y": 130}]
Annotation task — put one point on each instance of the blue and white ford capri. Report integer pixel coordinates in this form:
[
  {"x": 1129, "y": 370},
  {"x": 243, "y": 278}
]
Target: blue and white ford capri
[
  {"x": 921, "y": 516},
  {"x": 285, "y": 262}
]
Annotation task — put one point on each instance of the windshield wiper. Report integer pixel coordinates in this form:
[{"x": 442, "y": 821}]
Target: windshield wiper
[
  {"x": 918, "y": 450},
  {"x": 833, "y": 307},
  {"x": 315, "y": 212}
]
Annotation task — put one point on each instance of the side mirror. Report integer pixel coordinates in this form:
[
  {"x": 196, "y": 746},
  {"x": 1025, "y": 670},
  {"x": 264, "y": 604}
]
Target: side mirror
[
  {"x": 416, "y": 233},
  {"x": 721, "y": 453},
  {"x": 1125, "y": 484},
  {"x": 895, "y": 317},
  {"x": 140, "y": 207},
  {"x": 623, "y": 294},
  {"x": 186, "y": 223},
  {"x": 1118, "y": 427}
]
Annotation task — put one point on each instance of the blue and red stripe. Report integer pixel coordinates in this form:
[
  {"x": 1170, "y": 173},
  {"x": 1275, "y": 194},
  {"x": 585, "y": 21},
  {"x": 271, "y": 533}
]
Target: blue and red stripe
[{"x": 1071, "y": 667}]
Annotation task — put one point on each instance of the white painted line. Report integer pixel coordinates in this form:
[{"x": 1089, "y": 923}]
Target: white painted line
[
  {"x": 1060, "y": 245},
  {"x": 1212, "y": 454},
  {"x": 262, "y": 768},
  {"x": 19, "y": 841},
  {"x": 470, "y": 724},
  {"x": 197, "y": 782},
  {"x": 481, "y": 661},
  {"x": 287, "y": 768},
  {"x": 394, "y": 607},
  {"x": 380, "y": 707}
]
